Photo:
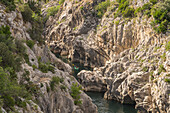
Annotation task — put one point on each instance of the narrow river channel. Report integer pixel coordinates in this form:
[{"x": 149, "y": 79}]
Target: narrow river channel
[{"x": 103, "y": 105}]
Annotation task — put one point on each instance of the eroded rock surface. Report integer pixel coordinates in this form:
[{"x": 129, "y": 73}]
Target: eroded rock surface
[
  {"x": 58, "y": 100},
  {"x": 140, "y": 80}
]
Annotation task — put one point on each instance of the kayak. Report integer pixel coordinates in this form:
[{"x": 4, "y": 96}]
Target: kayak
[{"x": 76, "y": 68}]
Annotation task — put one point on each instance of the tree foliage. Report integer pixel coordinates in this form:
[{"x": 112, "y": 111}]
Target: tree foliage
[
  {"x": 9, "y": 4},
  {"x": 75, "y": 93},
  {"x": 102, "y": 7}
]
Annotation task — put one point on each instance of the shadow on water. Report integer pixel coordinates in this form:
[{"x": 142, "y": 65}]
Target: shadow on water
[
  {"x": 103, "y": 105},
  {"x": 109, "y": 106}
]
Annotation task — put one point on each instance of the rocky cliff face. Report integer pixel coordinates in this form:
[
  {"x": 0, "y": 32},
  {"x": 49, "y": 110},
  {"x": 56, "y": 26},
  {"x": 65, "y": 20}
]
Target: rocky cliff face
[
  {"x": 68, "y": 33},
  {"x": 49, "y": 99},
  {"x": 134, "y": 77},
  {"x": 132, "y": 59}
]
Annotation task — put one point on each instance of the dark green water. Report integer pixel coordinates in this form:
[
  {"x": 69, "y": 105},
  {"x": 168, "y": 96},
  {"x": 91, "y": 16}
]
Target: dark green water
[
  {"x": 103, "y": 105},
  {"x": 109, "y": 106}
]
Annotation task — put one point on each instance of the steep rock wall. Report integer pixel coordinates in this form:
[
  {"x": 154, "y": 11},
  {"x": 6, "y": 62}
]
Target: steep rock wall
[{"x": 47, "y": 100}]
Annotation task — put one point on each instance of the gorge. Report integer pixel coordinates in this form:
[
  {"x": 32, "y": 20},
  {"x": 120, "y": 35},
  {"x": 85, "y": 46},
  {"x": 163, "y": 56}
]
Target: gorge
[{"x": 85, "y": 56}]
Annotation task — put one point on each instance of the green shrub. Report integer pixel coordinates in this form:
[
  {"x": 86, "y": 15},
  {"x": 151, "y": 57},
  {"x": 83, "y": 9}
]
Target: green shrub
[
  {"x": 117, "y": 22},
  {"x": 31, "y": 12},
  {"x": 146, "y": 6},
  {"x": 167, "y": 80},
  {"x": 63, "y": 87},
  {"x": 163, "y": 57},
  {"x": 138, "y": 10},
  {"x": 32, "y": 88},
  {"x": 10, "y": 89},
  {"x": 61, "y": 80},
  {"x": 30, "y": 43},
  {"x": 81, "y": 7},
  {"x": 161, "y": 69},
  {"x": 160, "y": 13},
  {"x": 125, "y": 10},
  {"x": 21, "y": 49},
  {"x": 151, "y": 75},
  {"x": 26, "y": 58},
  {"x": 9, "y": 4},
  {"x": 34, "y": 67},
  {"x": 51, "y": 68},
  {"x": 7, "y": 56},
  {"x": 162, "y": 28},
  {"x": 123, "y": 5},
  {"x": 10, "y": 52},
  {"x": 167, "y": 46},
  {"x": 43, "y": 67},
  {"x": 36, "y": 31},
  {"x": 26, "y": 12},
  {"x": 75, "y": 93},
  {"x": 145, "y": 69},
  {"x": 129, "y": 12},
  {"x": 61, "y": 2},
  {"x": 102, "y": 7},
  {"x": 35, "y": 6},
  {"x": 9, "y": 101},
  {"x": 148, "y": 13},
  {"x": 21, "y": 103},
  {"x": 161, "y": 16},
  {"x": 55, "y": 81},
  {"x": 51, "y": 11}
]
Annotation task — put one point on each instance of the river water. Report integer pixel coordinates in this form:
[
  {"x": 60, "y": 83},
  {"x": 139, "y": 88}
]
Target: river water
[
  {"x": 109, "y": 106},
  {"x": 103, "y": 105}
]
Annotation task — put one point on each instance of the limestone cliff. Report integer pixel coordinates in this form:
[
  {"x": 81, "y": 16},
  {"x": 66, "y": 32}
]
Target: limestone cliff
[
  {"x": 46, "y": 98},
  {"x": 126, "y": 42},
  {"x": 130, "y": 53}
]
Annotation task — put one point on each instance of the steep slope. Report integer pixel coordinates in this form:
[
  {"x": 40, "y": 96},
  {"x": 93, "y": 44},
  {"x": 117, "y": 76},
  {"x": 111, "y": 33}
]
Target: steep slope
[
  {"x": 47, "y": 79},
  {"x": 68, "y": 30},
  {"x": 131, "y": 38}
]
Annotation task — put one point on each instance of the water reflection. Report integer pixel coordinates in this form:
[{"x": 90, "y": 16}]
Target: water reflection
[
  {"x": 109, "y": 106},
  {"x": 104, "y": 106}
]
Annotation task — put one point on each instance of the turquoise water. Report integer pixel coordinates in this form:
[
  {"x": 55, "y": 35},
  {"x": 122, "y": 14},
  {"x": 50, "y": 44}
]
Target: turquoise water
[
  {"x": 103, "y": 105},
  {"x": 109, "y": 106}
]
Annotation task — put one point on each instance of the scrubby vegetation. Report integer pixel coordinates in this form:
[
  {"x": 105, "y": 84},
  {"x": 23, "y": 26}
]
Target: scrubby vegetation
[
  {"x": 167, "y": 80},
  {"x": 55, "y": 81},
  {"x": 101, "y": 8},
  {"x": 12, "y": 54},
  {"x": 160, "y": 14},
  {"x": 30, "y": 43},
  {"x": 159, "y": 11},
  {"x": 26, "y": 12},
  {"x": 75, "y": 93},
  {"x": 10, "y": 5},
  {"x": 123, "y": 8},
  {"x": 31, "y": 12},
  {"x": 11, "y": 50},
  {"x": 161, "y": 69},
  {"x": 61, "y": 2},
  {"x": 53, "y": 10},
  {"x": 45, "y": 67},
  {"x": 167, "y": 47}
]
